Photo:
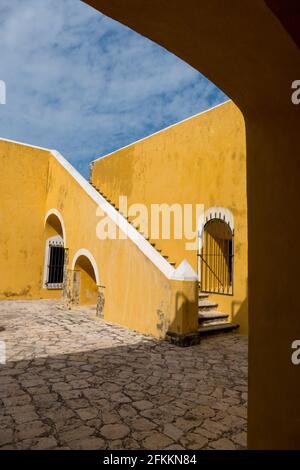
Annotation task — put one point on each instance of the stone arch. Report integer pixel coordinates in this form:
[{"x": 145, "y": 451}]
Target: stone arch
[
  {"x": 86, "y": 278},
  {"x": 52, "y": 218},
  {"x": 214, "y": 212},
  {"x": 90, "y": 257}
]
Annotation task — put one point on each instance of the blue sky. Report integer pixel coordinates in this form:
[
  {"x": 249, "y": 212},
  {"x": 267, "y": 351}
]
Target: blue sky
[{"x": 83, "y": 84}]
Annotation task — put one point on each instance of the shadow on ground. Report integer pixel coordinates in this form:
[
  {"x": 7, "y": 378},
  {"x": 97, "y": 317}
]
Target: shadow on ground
[{"x": 74, "y": 382}]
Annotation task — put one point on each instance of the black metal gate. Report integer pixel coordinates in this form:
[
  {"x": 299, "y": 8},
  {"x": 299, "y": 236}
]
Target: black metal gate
[
  {"x": 217, "y": 258},
  {"x": 56, "y": 261}
]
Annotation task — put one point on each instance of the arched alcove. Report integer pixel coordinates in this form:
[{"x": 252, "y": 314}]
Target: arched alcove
[{"x": 88, "y": 278}]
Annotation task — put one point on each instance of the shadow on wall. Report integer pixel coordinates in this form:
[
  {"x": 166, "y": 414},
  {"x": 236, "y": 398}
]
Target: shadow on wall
[
  {"x": 183, "y": 329},
  {"x": 239, "y": 313},
  {"x": 53, "y": 226}
]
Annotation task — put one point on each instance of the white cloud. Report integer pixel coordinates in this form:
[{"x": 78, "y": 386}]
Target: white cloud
[{"x": 84, "y": 84}]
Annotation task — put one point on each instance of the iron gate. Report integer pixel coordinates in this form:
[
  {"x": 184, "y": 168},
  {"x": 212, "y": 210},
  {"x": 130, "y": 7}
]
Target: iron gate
[{"x": 217, "y": 258}]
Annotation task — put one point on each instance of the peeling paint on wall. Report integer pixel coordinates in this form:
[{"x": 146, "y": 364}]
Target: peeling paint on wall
[
  {"x": 163, "y": 322},
  {"x": 22, "y": 293},
  {"x": 100, "y": 302}
]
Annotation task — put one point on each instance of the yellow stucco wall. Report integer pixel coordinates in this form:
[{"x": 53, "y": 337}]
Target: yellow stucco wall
[
  {"x": 205, "y": 156},
  {"x": 88, "y": 291},
  {"x": 137, "y": 294},
  {"x": 23, "y": 176},
  {"x": 200, "y": 160}
]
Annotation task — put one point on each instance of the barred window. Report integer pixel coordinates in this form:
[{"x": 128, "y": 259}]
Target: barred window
[{"x": 55, "y": 265}]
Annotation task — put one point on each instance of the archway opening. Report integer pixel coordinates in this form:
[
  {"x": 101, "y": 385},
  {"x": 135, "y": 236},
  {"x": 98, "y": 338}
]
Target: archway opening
[
  {"x": 88, "y": 291},
  {"x": 54, "y": 253},
  {"x": 217, "y": 257},
  {"x": 53, "y": 226}
]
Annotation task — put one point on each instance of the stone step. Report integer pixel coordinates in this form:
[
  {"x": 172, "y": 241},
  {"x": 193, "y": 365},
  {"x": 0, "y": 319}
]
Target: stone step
[
  {"x": 203, "y": 295},
  {"x": 212, "y": 317},
  {"x": 216, "y": 329},
  {"x": 205, "y": 304}
]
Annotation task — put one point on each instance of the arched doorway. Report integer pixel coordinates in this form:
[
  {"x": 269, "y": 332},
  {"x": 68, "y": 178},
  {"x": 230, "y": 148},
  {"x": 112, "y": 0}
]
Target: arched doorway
[
  {"x": 217, "y": 258},
  {"x": 86, "y": 278},
  {"x": 54, "y": 251}
]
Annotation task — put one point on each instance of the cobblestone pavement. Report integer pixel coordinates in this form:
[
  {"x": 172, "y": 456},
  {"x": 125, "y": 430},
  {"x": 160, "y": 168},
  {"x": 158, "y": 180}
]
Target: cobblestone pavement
[{"x": 72, "y": 381}]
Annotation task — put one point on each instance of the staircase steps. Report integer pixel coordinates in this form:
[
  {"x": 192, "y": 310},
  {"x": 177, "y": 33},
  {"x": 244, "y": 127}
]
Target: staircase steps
[
  {"x": 215, "y": 329},
  {"x": 203, "y": 295},
  {"x": 212, "y": 321},
  {"x": 212, "y": 317},
  {"x": 130, "y": 219},
  {"x": 205, "y": 304}
]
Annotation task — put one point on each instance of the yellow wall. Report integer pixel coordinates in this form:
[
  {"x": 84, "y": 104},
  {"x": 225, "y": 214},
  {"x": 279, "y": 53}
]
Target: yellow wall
[
  {"x": 137, "y": 294},
  {"x": 23, "y": 176},
  {"x": 88, "y": 293},
  {"x": 203, "y": 153},
  {"x": 200, "y": 160}
]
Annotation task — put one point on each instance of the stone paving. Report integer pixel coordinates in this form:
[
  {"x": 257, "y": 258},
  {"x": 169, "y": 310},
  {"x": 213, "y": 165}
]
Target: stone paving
[{"x": 72, "y": 381}]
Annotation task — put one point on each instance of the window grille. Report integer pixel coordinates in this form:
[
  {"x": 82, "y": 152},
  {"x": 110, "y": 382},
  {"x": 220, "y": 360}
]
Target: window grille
[{"x": 55, "y": 267}]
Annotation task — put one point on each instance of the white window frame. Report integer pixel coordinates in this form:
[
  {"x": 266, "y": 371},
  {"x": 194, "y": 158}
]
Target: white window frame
[{"x": 60, "y": 242}]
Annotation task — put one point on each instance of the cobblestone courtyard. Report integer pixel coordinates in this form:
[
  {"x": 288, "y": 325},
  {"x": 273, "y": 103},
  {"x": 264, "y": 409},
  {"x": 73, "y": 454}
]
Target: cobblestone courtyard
[{"x": 75, "y": 382}]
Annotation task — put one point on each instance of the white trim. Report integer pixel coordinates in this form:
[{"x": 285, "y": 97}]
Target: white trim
[
  {"x": 185, "y": 272},
  {"x": 90, "y": 257},
  {"x": 215, "y": 212},
  {"x": 161, "y": 130},
  {"x": 149, "y": 251},
  {"x": 58, "y": 239},
  {"x": 143, "y": 245},
  {"x": 128, "y": 145},
  {"x": 24, "y": 144},
  {"x": 60, "y": 218}
]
